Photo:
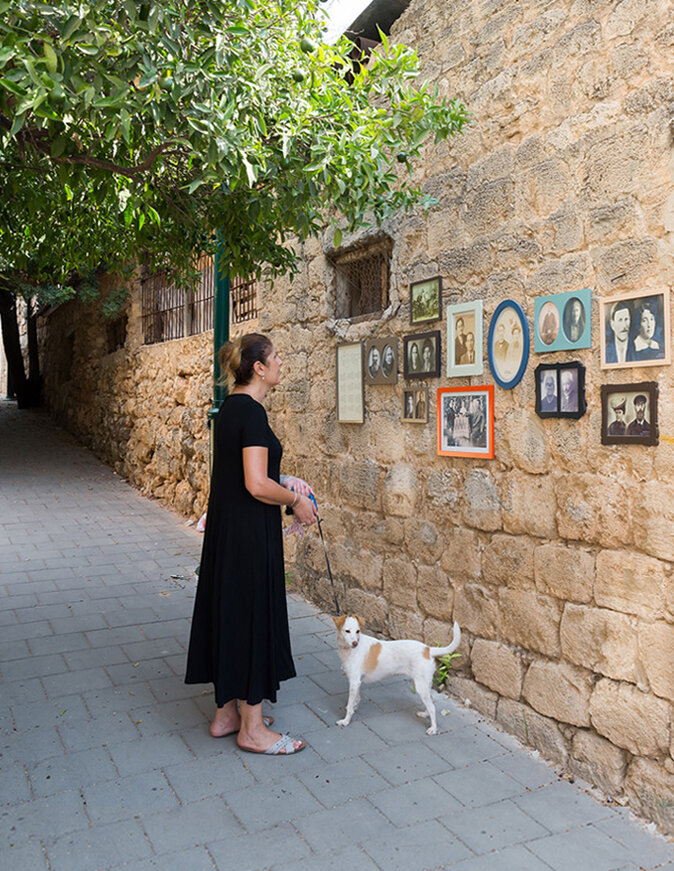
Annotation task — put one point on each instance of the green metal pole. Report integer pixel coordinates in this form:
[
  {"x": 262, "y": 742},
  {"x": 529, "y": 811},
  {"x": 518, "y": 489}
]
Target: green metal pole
[{"x": 220, "y": 336}]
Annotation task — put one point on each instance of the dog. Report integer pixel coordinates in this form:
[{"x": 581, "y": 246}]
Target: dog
[{"x": 367, "y": 659}]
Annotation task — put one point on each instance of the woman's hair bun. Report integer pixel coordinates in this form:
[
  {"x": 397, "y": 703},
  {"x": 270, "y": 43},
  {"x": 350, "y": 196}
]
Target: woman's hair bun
[{"x": 238, "y": 357}]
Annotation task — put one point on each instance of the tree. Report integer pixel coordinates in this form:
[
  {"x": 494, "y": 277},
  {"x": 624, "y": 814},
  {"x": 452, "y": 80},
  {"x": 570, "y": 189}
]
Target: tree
[{"x": 171, "y": 119}]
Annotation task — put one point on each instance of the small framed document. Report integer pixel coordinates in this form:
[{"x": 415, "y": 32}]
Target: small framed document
[{"x": 350, "y": 403}]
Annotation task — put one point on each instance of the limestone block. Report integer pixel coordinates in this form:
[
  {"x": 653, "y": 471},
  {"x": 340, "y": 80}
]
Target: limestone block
[
  {"x": 530, "y": 620},
  {"x": 400, "y": 583},
  {"x": 525, "y": 436},
  {"x": 560, "y": 691},
  {"x": 476, "y": 610},
  {"x": 601, "y": 640},
  {"x": 630, "y": 582},
  {"x": 609, "y": 222},
  {"x": 592, "y": 508},
  {"x": 625, "y": 17},
  {"x": 543, "y": 188},
  {"x": 439, "y": 633},
  {"x": 371, "y": 608},
  {"x": 390, "y": 530},
  {"x": 629, "y": 718},
  {"x": 597, "y": 761},
  {"x": 532, "y": 729},
  {"x": 401, "y": 490},
  {"x": 404, "y": 624},
  {"x": 529, "y": 505},
  {"x": 562, "y": 231},
  {"x": 444, "y": 487},
  {"x": 653, "y": 518},
  {"x": 566, "y": 573},
  {"x": 498, "y": 667},
  {"x": 517, "y": 249},
  {"x": 423, "y": 541},
  {"x": 468, "y": 263},
  {"x": 625, "y": 263},
  {"x": 355, "y": 565},
  {"x": 650, "y": 788},
  {"x": 656, "y": 651},
  {"x": 482, "y": 505},
  {"x": 580, "y": 40},
  {"x": 571, "y": 270},
  {"x": 480, "y": 698},
  {"x": 360, "y": 483},
  {"x": 434, "y": 593},
  {"x": 461, "y": 557},
  {"x": 509, "y": 561},
  {"x": 489, "y": 204}
]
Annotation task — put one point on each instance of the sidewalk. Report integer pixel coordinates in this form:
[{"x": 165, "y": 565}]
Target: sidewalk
[{"x": 105, "y": 757}]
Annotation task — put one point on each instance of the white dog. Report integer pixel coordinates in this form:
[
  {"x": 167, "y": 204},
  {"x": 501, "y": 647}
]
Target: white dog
[{"x": 366, "y": 659}]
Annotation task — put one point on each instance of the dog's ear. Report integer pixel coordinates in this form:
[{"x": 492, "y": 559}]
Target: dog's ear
[
  {"x": 360, "y": 620},
  {"x": 339, "y": 621}
]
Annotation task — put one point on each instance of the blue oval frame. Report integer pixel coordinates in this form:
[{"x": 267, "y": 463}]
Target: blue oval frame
[{"x": 509, "y": 303}]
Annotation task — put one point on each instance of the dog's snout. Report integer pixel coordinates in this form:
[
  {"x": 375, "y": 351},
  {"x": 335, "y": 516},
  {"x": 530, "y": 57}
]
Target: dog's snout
[{"x": 354, "y": 643}]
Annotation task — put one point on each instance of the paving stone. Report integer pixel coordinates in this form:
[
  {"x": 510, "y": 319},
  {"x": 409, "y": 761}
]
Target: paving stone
[
  {"x": 147, "y": 754},
  {"x": 196, "y": 859},
  {"x": 99, "y": 847},
  {"x": 30, "y": 745},
  {"x": 97, "y": 732},
  {"x": 124, "y": 798},
  {"x": 406, "y": 763},
  {"x": 58, "y": 644},
  {"x": 204, "y": 778},
  {"x": 25, "y": 855},
  {"x": 494, "y": 826},
  {"x": 415, "y": 802},
  {"x": 508, "y": 859},
  {"x": 26, "y": 690},
  {"x": 574, "y": 847},
  {"x": 92, "y": 658},
  {"x": 560, "y": 806},
  {"x": 644, "y": 847},
  {"x": 530, "y": 771},
  {"x": 354, "y": 822},
  {"x": 43, "y": 818},
  {"x": 264, "y": 805},
  {"x": 417, "y": 848},
  {"x": 59, "y": 685},
  {"x": 341, "y": 742},
  {"x": 169, "y": 717},
  {"x": 26, "y": 631},
  {"x": 15, "y": 786},
  {"x": 399, "y": 727},
  {"x": 466, "y": 746},
  {"x": 114, "y": 700},
  {"x": 71, "y": 771},
  {"x": 190, "y": 825},
  {"x": 342, "y": 781},
  {"x": 336, "y": 860},
  {"x": 54, "y": 712},
  {"x": 479, "y": 785},
  {"x": 252, "y": 852}
]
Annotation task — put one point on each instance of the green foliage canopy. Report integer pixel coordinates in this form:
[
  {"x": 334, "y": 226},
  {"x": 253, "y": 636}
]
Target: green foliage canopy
[{"x": 137, "y": 127}]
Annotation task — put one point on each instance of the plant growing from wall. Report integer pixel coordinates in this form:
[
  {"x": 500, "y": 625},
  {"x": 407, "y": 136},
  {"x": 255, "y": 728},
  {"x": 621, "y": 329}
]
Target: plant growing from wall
[{"x": 155, "y": 123}]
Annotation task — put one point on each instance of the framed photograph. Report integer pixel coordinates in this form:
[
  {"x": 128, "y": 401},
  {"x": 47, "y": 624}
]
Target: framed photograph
[
  {"x": 464, "y": 339},
  {"x": 466, "y": 422},
  {"x": 381, "y": 361},
  {"x": 350, "y": 403},
  {"x": 426, "y": 301},
  {"x": 415, "y": 405},
  {"x": 422, "y": 355},
  {"x": 629, "y": 413},
  {"x": 560, "y": 390},
  {"x": 508, "y": 344},
  {"x": 634, "y": 330},
  {"x": 562, "y": 321}
]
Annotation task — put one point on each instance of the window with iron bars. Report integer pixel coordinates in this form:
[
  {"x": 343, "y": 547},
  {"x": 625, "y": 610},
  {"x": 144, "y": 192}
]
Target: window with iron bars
[
  {"x": 171, "y": 312},
  {"x": 362, "y": 280},
  {"x": 243, "y": 297}
]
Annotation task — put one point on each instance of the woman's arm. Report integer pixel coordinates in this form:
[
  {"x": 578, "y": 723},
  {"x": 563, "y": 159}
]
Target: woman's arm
[{"x": 266, "y": 490}]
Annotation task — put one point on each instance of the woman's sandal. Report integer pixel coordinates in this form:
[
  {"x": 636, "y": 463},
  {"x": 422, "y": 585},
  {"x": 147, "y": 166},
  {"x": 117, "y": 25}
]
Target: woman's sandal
[{"x": 285, "y": 746}]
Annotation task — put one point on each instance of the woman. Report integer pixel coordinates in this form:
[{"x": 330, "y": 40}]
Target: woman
[
  {"x": 645, "y": 346},
  {"x": 240, "y": 638},
  {"x": 414, "y": 358}
]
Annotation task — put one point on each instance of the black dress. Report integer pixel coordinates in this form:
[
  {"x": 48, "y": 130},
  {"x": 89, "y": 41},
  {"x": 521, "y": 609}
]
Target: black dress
[{"x": 239, "y": 639}]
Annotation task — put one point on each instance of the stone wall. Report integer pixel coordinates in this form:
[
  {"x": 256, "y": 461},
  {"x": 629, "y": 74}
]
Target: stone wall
[{"x": 556, "y": 556}]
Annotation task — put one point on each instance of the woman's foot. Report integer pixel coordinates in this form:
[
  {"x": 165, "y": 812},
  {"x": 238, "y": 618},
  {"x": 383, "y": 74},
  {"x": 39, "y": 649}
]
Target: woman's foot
[
  {"x": 229, "y": 725},
  {"x": 261, "y": 740}
]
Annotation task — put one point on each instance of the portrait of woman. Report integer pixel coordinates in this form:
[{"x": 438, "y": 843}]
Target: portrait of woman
[
  {"x": 574, "y": 319},
  {"x": 388, "y": 361},
  {"x": 422, "y": 355},
  {"x": 414, "y": 358},
  {"x": 646, "y": 347},
  {"x": 548, "y": 323}
]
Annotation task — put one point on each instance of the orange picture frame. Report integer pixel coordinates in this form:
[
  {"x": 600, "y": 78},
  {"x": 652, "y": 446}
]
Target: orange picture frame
[{"x": 466, "y": 421}]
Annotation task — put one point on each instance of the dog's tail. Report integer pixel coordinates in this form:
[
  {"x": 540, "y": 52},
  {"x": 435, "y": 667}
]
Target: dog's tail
[{"x": 456, "y": 640}]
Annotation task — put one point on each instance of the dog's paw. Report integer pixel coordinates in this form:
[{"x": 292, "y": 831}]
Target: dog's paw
[
  {"x": 432, "y": 730},
  {"x": 423, "y": 714},
  {"x": 343, "y": 722}
]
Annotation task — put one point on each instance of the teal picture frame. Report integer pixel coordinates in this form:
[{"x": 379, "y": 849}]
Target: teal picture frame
[{"x": 556, "y": 327}]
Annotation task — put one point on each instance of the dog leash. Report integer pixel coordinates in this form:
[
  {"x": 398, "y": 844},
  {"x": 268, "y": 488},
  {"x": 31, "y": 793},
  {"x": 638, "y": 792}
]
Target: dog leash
[{"x": 325, "y": 550}]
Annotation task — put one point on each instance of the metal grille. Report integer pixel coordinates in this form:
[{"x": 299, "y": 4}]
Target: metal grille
[
  {"x": 363, "y": 280},
  {"x": 243, "y": 293},
  {"x": 171, "y": 312}
]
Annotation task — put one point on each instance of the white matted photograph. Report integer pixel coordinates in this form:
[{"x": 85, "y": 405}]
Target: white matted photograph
[
  {"x": 634, "y": 330},
  {"x": 464, "y": 339}
]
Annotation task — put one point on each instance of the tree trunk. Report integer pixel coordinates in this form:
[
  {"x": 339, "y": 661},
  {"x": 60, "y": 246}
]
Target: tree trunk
[
  {"x": 34, "y": 378},
  {"x": 25, "y": 393}
]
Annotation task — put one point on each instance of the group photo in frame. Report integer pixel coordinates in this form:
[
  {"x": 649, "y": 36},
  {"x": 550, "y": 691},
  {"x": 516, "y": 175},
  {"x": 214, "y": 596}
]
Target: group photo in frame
[
  {"x": 508, "y": 344},
  {"x": 350, "y": 391},
  {"x": 466, "y": 421},
  {"x": 560, "y": 390},
  {"x": 562, "y": 321},
  {"x": 426, "y": 301},
  {"x": 381, "y": 361},
  {"x": 415, "y": 405},
  {"x": 634, "y": 330},
  {"x": 629, "y": 413},
  {"x": 422, "y": 355},
  {"x": 464, "y": 339}
]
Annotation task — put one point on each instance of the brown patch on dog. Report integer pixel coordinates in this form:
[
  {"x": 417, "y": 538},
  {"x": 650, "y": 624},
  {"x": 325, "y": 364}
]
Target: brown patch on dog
[
  {"x": 426, "y": 653},
  {"x": 360, "y": 620},
  {"x": 339, "y": 621},
  {"x": 372, "y": 658}
]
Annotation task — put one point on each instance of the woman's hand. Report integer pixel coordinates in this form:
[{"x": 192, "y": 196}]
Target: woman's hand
[
  {"x": 290, "y": 482},
  {"x": 305, "y": 511}
]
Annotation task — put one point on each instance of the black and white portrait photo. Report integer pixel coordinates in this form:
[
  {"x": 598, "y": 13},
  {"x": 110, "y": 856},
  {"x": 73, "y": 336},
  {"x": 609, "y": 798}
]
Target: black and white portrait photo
[
  {"x": 574, "y": 319},
  {"x": 381, "y": 361},
  {"x": 508, "y": 344},
  {"x": 635, "y": 331},
  {"x": 466, "y": 421},
  {"x": 560, "y": 389},
  {"x": 629, "y": 413},
  {"x": 548, "y": 386},
  {"x": 422, "y": 355}
]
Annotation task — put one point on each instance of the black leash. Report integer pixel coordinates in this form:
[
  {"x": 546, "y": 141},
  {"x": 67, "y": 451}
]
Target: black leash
[{"x": 327, "y": 563}]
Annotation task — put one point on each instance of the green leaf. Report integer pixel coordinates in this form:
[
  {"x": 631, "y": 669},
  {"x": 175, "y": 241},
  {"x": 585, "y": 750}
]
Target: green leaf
[
  {"x": 70, "y": 27},
  {"x": 50, "y": 57},
  {"x": 337, "y": 238},
  {"x": 13, "y": 87}
]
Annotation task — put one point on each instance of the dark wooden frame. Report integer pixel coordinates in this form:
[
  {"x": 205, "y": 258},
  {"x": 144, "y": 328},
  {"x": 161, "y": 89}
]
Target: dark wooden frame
[
  {"x": 650, "y": 389},
  {"x": 436, "y": 317},
  {"x": 558, "y": 368},
  {"x": 421, "y": 337}
]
